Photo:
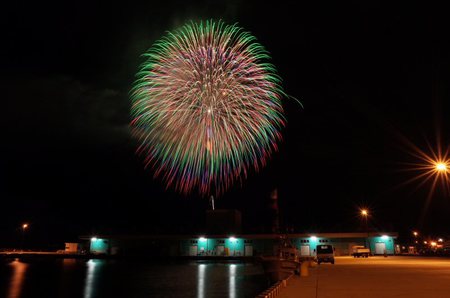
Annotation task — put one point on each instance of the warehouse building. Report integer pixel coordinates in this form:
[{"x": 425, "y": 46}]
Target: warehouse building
[{"x": 237, "y": 245}]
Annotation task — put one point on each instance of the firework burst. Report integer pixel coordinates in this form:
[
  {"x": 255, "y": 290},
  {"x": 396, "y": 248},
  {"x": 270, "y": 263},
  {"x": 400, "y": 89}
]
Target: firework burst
[{"x": 206, "y": 107}]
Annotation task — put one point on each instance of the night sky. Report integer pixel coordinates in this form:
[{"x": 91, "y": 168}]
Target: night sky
[{"x": 373, "y": 79}]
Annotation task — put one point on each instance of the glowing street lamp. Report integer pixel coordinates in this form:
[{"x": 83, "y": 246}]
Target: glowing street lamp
[
  {"x": 441, "y": 167},
  {"x": 415, "y": 234},
  {"x": 365, "y": 214},
  {"x": 433, "y": 167}
]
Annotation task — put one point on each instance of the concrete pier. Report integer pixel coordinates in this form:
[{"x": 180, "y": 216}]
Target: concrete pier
[{"x": 373, "y": 277}]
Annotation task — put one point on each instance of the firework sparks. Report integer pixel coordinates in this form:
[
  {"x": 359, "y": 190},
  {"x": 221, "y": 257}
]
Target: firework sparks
[{"x": 207, "y": 107}]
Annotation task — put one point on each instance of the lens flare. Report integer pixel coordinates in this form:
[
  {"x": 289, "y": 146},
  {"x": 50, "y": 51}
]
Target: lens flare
[
  {"x": 429, "y": 168},
  {"x": 206, "y": 107}
]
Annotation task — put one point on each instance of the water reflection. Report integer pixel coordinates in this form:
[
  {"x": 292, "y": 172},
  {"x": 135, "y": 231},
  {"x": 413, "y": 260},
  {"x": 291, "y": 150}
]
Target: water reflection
[
  {"x": 92, "y": 275},
  {"x": 67, "y": 278},
  {"x": 69, "y": 263},
  {"x": 232, "y": 281},
  {"x": 103, "y": 278},
  {"x": 17, "y": 278},
  {"x": 201, "y": 281}
]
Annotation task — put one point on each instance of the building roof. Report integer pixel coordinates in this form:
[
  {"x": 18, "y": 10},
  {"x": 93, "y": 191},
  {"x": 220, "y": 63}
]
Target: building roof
[{"x": 247, "y": 236}]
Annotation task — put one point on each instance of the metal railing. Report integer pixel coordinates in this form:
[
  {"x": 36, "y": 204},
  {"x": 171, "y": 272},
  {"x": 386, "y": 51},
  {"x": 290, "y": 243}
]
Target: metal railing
[{"x": 275, "y": 290}]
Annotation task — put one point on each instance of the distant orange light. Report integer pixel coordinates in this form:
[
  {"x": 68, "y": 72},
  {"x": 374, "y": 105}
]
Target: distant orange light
[
  {"x": 364, "y": 212},
  {"x": 415, "y": 233},
  {"x": 433, "y": 243},
  {"x": 440, "y": 240},
  {"x": 425, "y": 242},
  {"x": 24, "y": 226}
]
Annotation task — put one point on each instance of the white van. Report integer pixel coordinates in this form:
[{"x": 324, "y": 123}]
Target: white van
[{"x": 325, "y": 253}]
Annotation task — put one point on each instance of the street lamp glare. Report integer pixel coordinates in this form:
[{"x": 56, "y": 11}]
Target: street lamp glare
[
  {"x": 441, "y": 167},
  {"x": 364, "y": 212},
  {"x": 24, "y": 226}
]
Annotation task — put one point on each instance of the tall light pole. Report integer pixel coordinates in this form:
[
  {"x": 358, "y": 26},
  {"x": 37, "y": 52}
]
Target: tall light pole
[
  {"x": 365, "y": 215},
  {"x": 415, "y": 233},
  {"x": 24, "y": 228}
]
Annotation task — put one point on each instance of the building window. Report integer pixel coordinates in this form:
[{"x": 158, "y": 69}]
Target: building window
[
  {"x": 221, "y": 241},
  {"x": 194, "y": 241}
]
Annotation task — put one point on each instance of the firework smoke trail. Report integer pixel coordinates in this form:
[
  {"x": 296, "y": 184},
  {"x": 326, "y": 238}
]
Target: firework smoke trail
[{"x": 206, "y": 107}]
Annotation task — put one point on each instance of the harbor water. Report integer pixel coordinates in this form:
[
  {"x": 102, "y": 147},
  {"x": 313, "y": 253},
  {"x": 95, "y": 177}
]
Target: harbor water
[{"x": 129, "y": 278}]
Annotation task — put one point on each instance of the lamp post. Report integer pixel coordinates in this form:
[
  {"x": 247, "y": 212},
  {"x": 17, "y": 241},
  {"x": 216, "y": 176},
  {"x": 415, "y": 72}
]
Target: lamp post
[
  {"x": 365, "y": 215},
  {"x": 415, "y": 233},
  {"x": 24, "y": 228}
]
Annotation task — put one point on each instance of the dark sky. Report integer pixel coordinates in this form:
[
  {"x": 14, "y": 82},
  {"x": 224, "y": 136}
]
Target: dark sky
[{"x": 371, "y": 76}]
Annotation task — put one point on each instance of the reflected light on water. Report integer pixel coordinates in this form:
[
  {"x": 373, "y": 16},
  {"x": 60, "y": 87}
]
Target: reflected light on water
[
  {"x": 91, "y": 277},
  {"x": 232, "y": 283},
  {"x": 69, "y": 262},
  {"x": 201, "y": 281},
  {"x": 18, "y": 276}
]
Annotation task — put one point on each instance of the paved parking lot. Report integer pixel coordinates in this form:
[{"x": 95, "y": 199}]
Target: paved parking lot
[{"x": 374, "y": 277}]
